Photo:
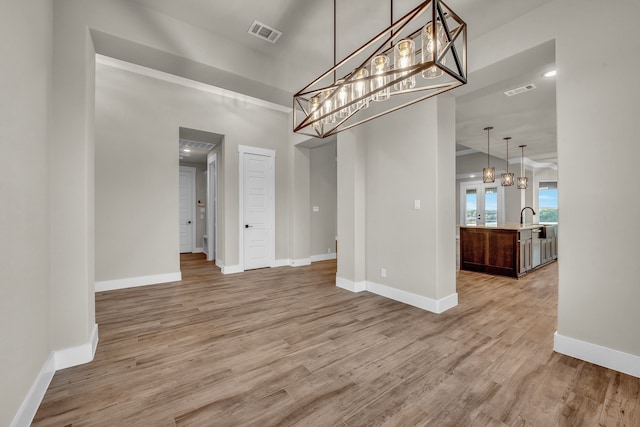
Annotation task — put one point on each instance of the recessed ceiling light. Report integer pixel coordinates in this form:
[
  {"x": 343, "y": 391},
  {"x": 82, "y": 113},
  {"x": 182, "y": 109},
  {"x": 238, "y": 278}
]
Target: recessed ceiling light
[
  {"x": 186, "y": 150},
  {"x": 472, "y": 176},
  {"x": 550, "y": 73}
]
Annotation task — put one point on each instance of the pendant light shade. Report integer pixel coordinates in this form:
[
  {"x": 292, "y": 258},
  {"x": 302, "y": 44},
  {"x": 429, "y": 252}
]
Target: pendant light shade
[
  {"x": 507, "y": 178},
  {"x": 488, "y": 173},
  {"x": 523, "y": 181}
]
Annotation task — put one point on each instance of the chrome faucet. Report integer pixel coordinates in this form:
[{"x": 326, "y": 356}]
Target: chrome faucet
[{"x": 522, "y": 214}]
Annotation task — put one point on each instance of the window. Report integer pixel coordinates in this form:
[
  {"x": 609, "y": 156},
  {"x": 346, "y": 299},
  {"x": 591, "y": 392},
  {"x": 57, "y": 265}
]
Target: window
[
  {"x": 481, "y": 204},
  {"x": 471, "y": 207},
  {"x": 491, "y": 206},
  {"x": 548, "y": 202}
]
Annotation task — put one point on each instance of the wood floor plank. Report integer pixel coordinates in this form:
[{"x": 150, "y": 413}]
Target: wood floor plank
[{"x": 285, "y": 346}]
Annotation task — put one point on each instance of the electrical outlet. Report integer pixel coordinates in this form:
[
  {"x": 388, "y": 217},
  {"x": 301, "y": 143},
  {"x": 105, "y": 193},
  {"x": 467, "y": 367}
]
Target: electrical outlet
[{"x": 383, "y": 272}]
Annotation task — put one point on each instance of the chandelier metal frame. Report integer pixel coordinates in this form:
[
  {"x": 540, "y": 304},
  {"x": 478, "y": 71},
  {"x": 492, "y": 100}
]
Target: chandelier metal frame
[{"x": 313, "y": 118}]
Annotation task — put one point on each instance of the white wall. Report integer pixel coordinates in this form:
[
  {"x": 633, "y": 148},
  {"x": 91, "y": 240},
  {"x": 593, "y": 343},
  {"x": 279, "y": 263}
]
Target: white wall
[
  {"x": 597, "y": 130},
  {"x": 137, "y": 169},
  {"x": 25, "y": 85},
  {"x": 416, "y": 247},
  {"x": 351, "y": 209},
  {"x": 323, "y": 187},
  {"x": 71, "y": 163}
]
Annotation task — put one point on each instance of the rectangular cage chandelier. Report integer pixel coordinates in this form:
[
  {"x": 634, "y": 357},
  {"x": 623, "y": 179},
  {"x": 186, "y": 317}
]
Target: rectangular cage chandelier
[{"x": 421, "y": 55}]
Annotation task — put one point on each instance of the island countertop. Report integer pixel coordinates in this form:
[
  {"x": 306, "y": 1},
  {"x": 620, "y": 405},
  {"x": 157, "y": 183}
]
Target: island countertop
[
  {"x": 508, "y": 249},
  {"x": 505, "y": 226}
]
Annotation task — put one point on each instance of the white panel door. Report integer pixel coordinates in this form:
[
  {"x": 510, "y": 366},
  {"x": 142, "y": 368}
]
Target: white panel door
[
  {"x": 257, "y": 217},
  {"x": 187, "y": 186}
]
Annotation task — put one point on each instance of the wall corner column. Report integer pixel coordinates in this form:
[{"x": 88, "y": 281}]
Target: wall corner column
[{"x": 351, "y": 153}]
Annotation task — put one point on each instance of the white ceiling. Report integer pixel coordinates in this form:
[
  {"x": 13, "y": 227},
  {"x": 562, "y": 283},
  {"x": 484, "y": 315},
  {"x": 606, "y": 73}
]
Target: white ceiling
[
  {"x": 529, "y": 118},
  {"x": 307, "y": 43}
]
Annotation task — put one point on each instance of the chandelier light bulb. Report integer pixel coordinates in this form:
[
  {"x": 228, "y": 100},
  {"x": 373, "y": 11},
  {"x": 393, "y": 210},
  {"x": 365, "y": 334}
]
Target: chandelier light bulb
[
  {"x": 343, "y": 98},
  {"x": 379, "y": 66},
  {"x": 360, "y": 90},
  {"x": 314, "y": 111},
  {"x": 404, "y": 54},
  {"x": 430, "y": 46},
  {"x": 326, "y": 100}
]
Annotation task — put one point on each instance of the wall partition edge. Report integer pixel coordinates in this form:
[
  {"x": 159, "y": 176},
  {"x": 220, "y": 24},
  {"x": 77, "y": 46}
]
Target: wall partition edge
[
  {"x": 603, "y": 356},
  {"x": 57, "y": 360}
]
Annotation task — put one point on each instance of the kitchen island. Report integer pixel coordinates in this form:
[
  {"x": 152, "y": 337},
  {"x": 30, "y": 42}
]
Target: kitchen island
[{"x": 507, "y": 249}]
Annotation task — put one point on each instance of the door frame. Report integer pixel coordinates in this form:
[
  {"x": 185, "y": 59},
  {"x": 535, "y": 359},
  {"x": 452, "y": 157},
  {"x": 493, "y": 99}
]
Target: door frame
[
  {"x": 271, "y": 205},
  {"x": 212, "y": 207},
  {"x": 464, "y": 185},
  {"x": 192, "y": 171}
]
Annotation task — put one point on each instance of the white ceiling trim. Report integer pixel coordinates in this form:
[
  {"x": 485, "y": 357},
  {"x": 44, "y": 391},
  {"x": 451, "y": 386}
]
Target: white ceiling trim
[
  {"x": 528, "y": 162},
  {"x": 466, "y": 152},
  {"x": 171, "y": 78},
  {"x": 533, "y": 164}
]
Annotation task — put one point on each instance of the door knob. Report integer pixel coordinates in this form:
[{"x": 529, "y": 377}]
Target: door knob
[{"x": 188, "y": 222}]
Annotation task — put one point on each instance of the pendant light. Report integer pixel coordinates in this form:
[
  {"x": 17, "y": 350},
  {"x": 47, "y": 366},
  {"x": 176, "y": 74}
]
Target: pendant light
[
  {"x": 488, "y": 173},
  {"x": 507, "y": 178},
  {"x": 523, "y": 181},
  {"x": 419, "y": 56}
]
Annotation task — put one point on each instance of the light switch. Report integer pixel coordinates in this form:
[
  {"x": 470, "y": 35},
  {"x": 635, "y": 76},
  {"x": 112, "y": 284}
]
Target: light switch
[
  {"x": 416, "y": 204},
  {"x": 316, "y": 208}
]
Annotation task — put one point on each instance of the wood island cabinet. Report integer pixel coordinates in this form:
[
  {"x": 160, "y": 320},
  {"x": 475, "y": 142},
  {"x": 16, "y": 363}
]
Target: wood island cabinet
[{"x": 507, "y": 251}]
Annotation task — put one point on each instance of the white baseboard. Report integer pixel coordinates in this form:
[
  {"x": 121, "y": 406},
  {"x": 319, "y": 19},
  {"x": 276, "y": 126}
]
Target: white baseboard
[
  {"x": 323, "y": 257},
  {"x": 420, "y": 301},
  {"x": 609, "y": 358},
  {"x": 78, "y": 355},
  {"x": 198, "y": 250},
  {"x": 132, "y": 282},
  {"x": 300, "y": 262},
  {"x": 57, "y": 360},
  {"x": 350, "y": 285},
  {"x": 281, "y": 262},
  {"x": 231, "y": 269},
  {"x": 31, "y": 403},
  {"x": 425, "y": 303}
]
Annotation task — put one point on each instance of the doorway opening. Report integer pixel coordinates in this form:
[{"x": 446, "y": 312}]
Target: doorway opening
[{"x": 198, "y": 158}]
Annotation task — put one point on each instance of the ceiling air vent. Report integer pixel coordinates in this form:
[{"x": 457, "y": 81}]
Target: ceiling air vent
[
  {"x": 264, "y": 32},
  {"x": 521, "y": 89},
  {"x": 197, "y": 145}
]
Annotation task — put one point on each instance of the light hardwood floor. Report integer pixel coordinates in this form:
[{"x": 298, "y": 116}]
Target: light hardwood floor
[{"x": 285, "y": 346}]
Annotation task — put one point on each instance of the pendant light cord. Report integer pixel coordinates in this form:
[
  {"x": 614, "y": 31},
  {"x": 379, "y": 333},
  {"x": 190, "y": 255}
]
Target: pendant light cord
[
  {"x": 334, "y": 40},
  {"x": 507, "y": 156},
  {"x": 391, "y": 20},
  {"x": 488, "y": 129},
  {"x": 507, "y": 139}
]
